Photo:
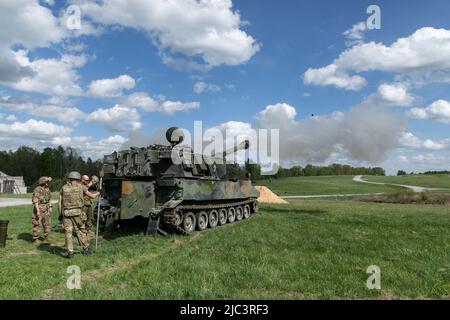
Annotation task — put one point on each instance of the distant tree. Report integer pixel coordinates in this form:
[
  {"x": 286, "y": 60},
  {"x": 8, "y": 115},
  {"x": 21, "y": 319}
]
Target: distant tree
[
  {"x": 254, "y": 170},
  {"x": 401, "y": 173},
  {"x": 53, "y": 162}
]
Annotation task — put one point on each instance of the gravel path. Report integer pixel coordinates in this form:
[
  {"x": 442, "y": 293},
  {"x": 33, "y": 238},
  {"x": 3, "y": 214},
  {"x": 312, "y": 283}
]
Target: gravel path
[
  {"x": 330, "y": 196},
  {"x": 12, "y": 202},
  {"x": 412, "y": 188}
]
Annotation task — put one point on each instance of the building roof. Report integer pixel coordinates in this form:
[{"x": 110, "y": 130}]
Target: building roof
[{"x": 2, "y": 174}]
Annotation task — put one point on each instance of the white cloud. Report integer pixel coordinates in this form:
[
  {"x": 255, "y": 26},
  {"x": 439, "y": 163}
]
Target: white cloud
[
  {"x": 355, "y": 35},
  {"x": 7, "y": 117},
  {"x": 390, "y": 95},
  {"x": 438, "y": 110},
  {"x": 49, "y": 76},
  {"x": 10, "y": 69},
  {"x": 111, "y": 88},
  {"x": 75, "y": 47},
  {"x": 422, "y": 55},
  {"x": 32, "y": 129},
  {"x": 89, "y": 147},
  {"x": 210, "y": 30},
  {"x": 171, "y": 107},
  {"x": 429, "y": 158},
  {"x": 330, "y": 75},
  {"x": 201, "y": 87},
  {"x": 277, "y": 113},
  {"x": 143, "y": 101},
  {"x": 403, "y": 159},
  {"x": 395, "y": 94},
  {"x": 27, "y": 23},
  {"x": 408, "y": 139},
  {"x": 46, "y": 110},
  {"x": 116, "y": 119}
]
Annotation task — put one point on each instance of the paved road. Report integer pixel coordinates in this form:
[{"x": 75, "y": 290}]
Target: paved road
[
  {"x": 412, "y": 188},
  {"x": 12, "y": 202},
  {"x": 330, "y": 196}
]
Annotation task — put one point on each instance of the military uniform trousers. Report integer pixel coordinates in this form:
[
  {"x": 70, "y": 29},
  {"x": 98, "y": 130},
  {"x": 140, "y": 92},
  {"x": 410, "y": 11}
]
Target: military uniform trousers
[
  {"x": 87, "y": 216},
  {"x": 75, "y": 224},
  {"x": 44, "y": 220}
]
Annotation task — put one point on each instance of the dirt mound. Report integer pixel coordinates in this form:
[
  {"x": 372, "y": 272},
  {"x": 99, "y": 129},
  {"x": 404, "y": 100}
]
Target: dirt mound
[{"x": 267, "y": 196}]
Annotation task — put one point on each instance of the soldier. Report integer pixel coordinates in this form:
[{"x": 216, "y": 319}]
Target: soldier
[
  {"x": 71, "y": 202},
  {"x": 87, "y": 206},
  {"x": 92, "y": 187},
  {"x": 42, "y": 207}
]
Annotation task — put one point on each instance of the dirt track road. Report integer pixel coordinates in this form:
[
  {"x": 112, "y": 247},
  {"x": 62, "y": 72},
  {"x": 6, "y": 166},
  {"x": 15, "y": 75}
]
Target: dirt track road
[
  {"x": 412, "y": 188},
  {"x": 12, "y": 202}
]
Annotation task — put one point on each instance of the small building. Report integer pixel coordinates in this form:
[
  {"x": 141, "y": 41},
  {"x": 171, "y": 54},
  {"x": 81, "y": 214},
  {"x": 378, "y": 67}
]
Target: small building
[{"x": 12, "y": 185}]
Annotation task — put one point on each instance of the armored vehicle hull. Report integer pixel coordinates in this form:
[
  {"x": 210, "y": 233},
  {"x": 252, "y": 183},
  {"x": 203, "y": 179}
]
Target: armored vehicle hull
[{"x": 182, "y": 198}]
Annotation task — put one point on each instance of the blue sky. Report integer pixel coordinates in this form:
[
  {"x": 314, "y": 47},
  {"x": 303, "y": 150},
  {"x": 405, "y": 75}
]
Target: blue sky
[{"x": 239, "y": 64}]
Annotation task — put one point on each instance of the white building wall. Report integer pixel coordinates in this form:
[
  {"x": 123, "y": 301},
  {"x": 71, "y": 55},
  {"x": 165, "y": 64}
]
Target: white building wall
[{"x": 20, "y": 187}]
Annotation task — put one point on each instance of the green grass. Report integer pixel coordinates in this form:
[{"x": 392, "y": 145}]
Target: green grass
[
  {"x": 421, "y": 180},
  {"x": 307, "y": 249},
  {"x": 324, "y": 185},
  {"x": 25, "y": 195}
]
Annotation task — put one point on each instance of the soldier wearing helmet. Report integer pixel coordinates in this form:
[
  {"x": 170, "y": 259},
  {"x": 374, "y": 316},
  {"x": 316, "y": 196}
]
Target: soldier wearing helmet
[
  {"x": 42, "y": 209},
  {"x": 71, "y": 200}
]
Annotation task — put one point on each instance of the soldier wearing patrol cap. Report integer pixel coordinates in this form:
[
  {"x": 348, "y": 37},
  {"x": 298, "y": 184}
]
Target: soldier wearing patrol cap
[
  {"x": 70, "y": 204},
  {"x": 42, "y": 209}
]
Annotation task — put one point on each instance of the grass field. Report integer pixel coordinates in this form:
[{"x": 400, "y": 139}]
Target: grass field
[
  {"x": 325, "y": 185},
  {"x": 421, "y": 180},
  {"x": 304, "y": 250}
]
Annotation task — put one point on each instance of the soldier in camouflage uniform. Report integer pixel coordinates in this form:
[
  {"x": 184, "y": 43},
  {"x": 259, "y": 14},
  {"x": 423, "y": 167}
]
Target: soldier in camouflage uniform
[
  {"x": 87, "y": 207},
  {"x": 42, "y": 209},
  {"x": 71, "y": 201}
]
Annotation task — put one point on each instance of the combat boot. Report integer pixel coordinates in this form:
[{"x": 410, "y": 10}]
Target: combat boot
[
  {"x": 69, "y": 255},
  {"x": 87, "y": 252}
]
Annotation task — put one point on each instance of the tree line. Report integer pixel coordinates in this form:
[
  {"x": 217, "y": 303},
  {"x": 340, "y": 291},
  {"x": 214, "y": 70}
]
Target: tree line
[
  {"x": 404, "y": 173},
  {"x": 52, "y": 162},
  {"x": 237, "y": 171}
]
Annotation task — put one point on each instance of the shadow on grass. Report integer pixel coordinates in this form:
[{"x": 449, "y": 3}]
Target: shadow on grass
[
  {"x": 28, "y": 237},
  {"x": 291, "y": 211},
  {"x": 127, "y": 228},
  {"x": 52, "y": 249}
]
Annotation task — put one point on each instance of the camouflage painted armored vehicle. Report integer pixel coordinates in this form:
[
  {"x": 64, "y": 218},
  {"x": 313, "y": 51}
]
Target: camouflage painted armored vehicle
[{"x": 175, "y": 189}]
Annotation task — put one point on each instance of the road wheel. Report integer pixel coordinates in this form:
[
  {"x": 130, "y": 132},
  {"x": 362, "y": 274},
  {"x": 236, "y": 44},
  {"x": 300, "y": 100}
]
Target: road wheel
[
  {"x": 231, "y": 215},
  {"x": 246, "y": 211},
  {"x": 213, "y": 218},
  {"x": 255, "y": 207},
  {"x": 178, "y": 218},
  {"x": 223, "y": 216},
  {"x": 239, "y": 213},
  {"x": 202, "y": 220},
  {"x": 189, "y": 222}
]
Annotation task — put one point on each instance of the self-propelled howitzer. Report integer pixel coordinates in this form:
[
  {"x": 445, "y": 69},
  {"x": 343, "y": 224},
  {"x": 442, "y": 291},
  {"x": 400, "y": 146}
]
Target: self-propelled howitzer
[{"x": 173, "y": 188}]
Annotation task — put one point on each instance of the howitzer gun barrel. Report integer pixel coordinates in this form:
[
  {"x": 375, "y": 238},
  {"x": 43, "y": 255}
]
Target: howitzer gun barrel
[{"x": 244, "y": 145}]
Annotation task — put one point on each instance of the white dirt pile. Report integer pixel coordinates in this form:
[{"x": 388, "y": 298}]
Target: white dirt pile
[{"x": 267, "y": 196}]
